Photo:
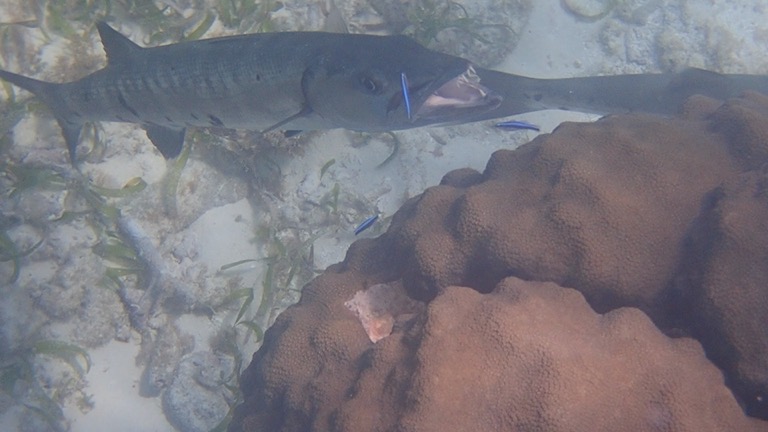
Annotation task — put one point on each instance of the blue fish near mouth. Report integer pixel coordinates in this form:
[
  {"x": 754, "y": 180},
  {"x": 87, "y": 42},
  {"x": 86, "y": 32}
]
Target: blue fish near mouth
[{"x": 406, "y": 96}]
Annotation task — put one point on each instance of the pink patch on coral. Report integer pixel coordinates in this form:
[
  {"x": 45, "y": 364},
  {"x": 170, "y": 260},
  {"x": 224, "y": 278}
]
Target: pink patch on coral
[{"x": 379, "y": 306}]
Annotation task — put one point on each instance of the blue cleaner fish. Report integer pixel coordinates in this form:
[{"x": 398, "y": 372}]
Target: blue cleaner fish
[
  {"x": 517, "y": 124},
  {"x": 406, "y": 95},
  {"x": 367, "y": 223},
  {"x": 296, "y": 81}
]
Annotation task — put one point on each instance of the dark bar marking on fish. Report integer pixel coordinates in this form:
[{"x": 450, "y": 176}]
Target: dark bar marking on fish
[
  {"x": 209, "y": 83},
  {"x": 157, "y": 81},
  {"x": 146, "y": 85},
  {"x": 124, "y": 104},
  {"x": 215, "y": 121}
]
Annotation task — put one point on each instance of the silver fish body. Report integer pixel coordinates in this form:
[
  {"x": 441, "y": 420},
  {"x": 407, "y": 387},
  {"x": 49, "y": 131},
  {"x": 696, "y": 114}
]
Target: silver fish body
[
  {"x": 291, "y": 81},
  {"x": 662, "y": 93}
]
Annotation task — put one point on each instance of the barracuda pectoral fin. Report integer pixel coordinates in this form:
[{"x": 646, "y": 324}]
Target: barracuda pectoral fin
[
  {"x": 169, "y": 141},
  {"x": 306, "y": 109},
  {"x": 303, "y": 113}
]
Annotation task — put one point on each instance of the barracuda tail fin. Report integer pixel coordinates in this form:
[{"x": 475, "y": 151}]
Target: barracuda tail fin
[
  {"x": 45, "y": 91},
  {"x": 32, "y": 85}
]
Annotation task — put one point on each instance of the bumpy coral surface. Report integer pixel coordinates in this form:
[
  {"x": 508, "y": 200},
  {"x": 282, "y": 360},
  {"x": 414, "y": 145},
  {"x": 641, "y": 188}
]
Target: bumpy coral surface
[{"x": 657, "y": 227}]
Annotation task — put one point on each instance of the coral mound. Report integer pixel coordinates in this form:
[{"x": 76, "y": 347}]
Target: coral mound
[{"x": 609, "y": 276}]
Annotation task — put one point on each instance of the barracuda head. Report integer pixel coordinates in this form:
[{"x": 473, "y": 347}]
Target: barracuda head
[{"x": 360, "y": 87}]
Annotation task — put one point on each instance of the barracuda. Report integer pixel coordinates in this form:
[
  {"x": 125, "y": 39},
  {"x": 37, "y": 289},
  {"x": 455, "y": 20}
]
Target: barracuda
[
  {"x": 292, "y": 81},
  {"x": 298, "y": 81}
]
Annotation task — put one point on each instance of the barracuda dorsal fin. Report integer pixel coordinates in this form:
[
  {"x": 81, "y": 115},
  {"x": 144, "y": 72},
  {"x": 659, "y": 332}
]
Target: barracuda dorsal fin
[
  {"x": 119, "y": 48},
  {"x": 334, "y": 21}
]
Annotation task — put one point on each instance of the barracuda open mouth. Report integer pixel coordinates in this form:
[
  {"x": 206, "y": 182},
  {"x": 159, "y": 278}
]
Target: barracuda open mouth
[{"x": 462, "y": 94}]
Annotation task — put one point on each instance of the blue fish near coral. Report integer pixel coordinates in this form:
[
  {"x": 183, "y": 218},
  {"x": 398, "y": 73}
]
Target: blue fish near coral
[
  {"x": 516, "y": 124},
  {"x": 364, "y": 225}
]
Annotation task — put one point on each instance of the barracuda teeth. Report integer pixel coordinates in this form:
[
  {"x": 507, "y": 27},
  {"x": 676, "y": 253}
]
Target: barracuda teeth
[
  {"x": 462, "y": 93},
  {"x": 469, "y": 76}
]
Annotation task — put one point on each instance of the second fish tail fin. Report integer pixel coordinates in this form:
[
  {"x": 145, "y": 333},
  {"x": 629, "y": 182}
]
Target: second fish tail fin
[{"x": 46, "y": 91}]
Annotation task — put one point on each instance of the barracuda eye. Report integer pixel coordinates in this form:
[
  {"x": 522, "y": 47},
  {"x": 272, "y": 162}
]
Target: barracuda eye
[{"x": 371, "y": 84}]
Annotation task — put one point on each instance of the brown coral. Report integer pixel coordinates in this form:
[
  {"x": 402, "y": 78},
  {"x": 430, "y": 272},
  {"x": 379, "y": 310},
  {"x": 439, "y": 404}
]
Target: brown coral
[
  {"x": 594, "y": 206},
  {"x": 664, "y": 215},
  {"x": 564, "y": 376},
  {"x": 725, "y": 281}
]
